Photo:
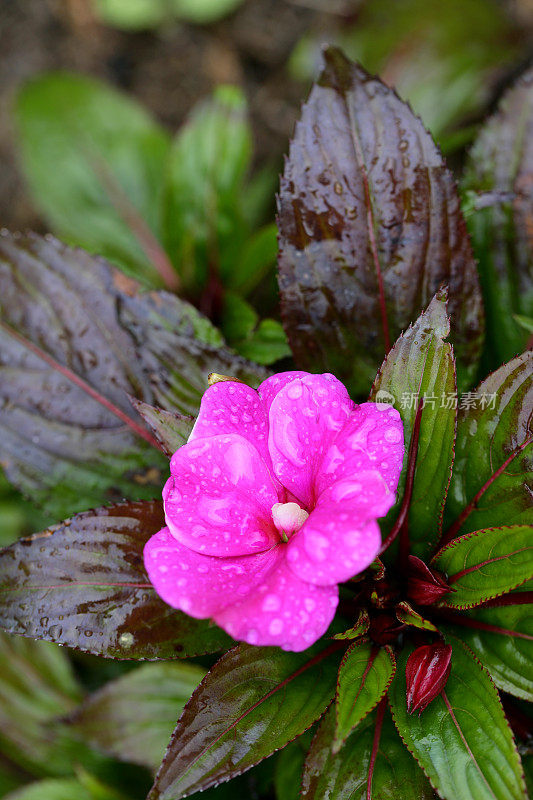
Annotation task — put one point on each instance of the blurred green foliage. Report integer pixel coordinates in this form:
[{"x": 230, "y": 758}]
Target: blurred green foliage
[
  {"x": 141, "y": 14},
  {"x": 441, "y": 57}
]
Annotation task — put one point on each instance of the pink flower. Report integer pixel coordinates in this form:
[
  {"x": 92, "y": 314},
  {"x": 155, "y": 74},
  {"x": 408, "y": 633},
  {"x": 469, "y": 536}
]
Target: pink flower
[{"x": 273, "y": 502}]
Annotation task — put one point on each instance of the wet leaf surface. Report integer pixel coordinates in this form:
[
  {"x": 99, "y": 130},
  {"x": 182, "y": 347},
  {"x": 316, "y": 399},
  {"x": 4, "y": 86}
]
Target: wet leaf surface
[
  {"x": 76, "y": 338},
  {"x": 344, "y": 775},
  {"x": 485, "y": 564},
  {"x": 420, "y": 367},
  {"x": 83, "y": 584},
  {"x": 370, "y": 228},
  {"x": 462, "y": 739},
  {"x": 253, "y": 701}
]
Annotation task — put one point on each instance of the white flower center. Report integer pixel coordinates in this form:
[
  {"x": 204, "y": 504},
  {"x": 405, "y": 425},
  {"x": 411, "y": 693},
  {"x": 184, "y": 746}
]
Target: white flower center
[{"x": 288, "y": 518}]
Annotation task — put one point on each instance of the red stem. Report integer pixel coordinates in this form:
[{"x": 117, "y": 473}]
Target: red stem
[
  {"x": 408, "y": 493},
  {"x": 71, "y": 376},
  {"x": 375, "y": 745},
  {"x": 472, "y": 505}
]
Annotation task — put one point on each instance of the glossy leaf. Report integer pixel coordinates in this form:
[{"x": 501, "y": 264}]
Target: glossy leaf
[
  {"x": 500, "y": 176},
  {"x": 36, "y": 687},
  {"x": 76, "y": 337},
  {"x": 492, "y": 478},
  {"x": 420, "y": 366},
  {"x": 409, "y": 616},
  {"x": 365, "y": 674},
  {"x": 95, "y": 163},
  {"x": 69, "y": 436},
  {"x": 462, "y": 739},
  {"x": 485, "y": 564},
  {"x": 508, "y": 658},
  {"x": 132, "y": 718},
  {"x": 344, "y": 775},
  {"x": 205, "y": 226},
  {"x": 170, "y": 429},
  {"x": 83, "y": 584},
  {"x": 370, "y": 228},
  {"x": 253, "y": 701}
]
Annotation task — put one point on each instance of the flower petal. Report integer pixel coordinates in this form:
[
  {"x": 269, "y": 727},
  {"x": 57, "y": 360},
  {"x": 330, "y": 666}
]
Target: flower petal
[
  {"x": 283, "y": 611},
  {"x": 219, "y": 497},
  {"x": 232, "y": 407},
  {"x": 202, "y": 585},
  {"x": 305, "y": 417},
  {"x": 365, "y": 460},
  {"x": 273, "y": 385},
  {"x": 333, "y": 545}
]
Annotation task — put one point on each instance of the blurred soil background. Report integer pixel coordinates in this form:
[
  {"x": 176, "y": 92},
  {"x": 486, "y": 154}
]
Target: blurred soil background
[{"x": 269, "y": 47}]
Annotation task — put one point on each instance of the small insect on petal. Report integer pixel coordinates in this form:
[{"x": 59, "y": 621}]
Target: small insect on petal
[{"x": 426, "y": 672}]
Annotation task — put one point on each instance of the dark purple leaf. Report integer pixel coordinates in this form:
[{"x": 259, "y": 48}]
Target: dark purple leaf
[
  {"x": 76, "y": 337},
  {"x": 370, "y": 228},
  {"x": 83, "y": 584}
]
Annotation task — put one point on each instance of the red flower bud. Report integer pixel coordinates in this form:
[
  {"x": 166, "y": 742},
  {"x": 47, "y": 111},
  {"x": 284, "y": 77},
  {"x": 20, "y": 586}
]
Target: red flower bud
[
  {"x": 426, "y": 673},
  {"x": 424, "y": 585}
]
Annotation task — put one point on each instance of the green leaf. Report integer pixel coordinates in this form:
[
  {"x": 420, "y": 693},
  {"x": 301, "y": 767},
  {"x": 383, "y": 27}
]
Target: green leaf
[
  {"x": 359, "y": 629},
  {"x": 83, "y": 584},
  {"x": 171, "y": 429},
  {"x": 508, "y": 658},
  {"x": 485, "y": 564},
  {"x": 95, "y": 163},
  {"x": 525, "y": 322},
  {"x": 289, "y": 766},
  {"x": 132, "y": 718},
  {"x": 253, "y": 701},
  {"x": 363, "y": 191},
  {"x": 343, "y": 776},
  {"x": 499, "y": 173},
  {"x": 462, "y": 739},
  {"x": 409, "y": 616},
  {"x": 421, "y": 366},
  {"x": 204, "y": 224},
  {"x": 257, "y": 258},
  {"x": 36, "y": 687},
  {"x": 365, "y": 674},
  {"x": 492, "y": 478}
]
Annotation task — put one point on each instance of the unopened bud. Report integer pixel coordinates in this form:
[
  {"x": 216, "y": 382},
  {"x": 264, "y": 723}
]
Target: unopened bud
[
  {"x": 424, "y": 585},
  {"x": 426, "y": 673}
]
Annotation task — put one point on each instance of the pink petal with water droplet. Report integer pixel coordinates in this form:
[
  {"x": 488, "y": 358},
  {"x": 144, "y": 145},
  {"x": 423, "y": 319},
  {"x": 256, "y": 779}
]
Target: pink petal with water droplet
[
  {"x": 305, "y": 417},
  {"x": 231, "y": 407},
  {"x": 333, "y": 545},
  {"x": 273, "y": 385},
  {"x": 201, "y": 585},
  {"x": 219, "y": 497},
  {"x": 365, "y": 460},
  {"x": 282, "y": 611}
]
